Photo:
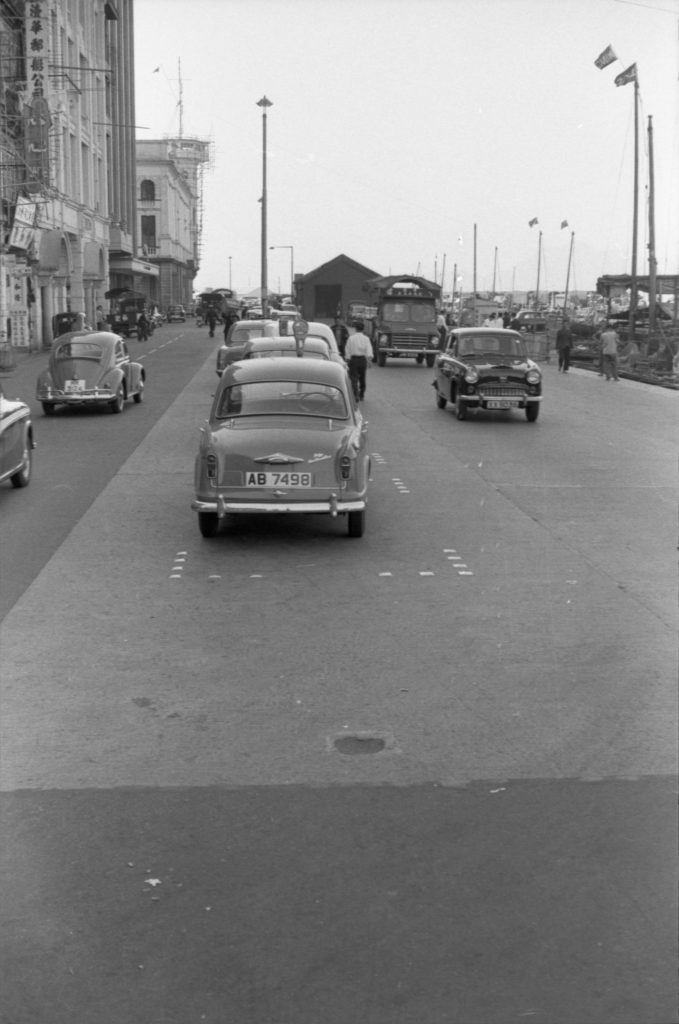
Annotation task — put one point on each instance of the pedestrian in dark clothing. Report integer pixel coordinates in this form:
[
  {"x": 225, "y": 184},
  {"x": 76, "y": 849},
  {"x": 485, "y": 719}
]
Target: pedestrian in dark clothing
[
  {"x": 142, "y": 327},
  {"x": 211, "y": 320},
  {"x": 341, "y": 333},
  {"x": 515, "y": 324},
  {"x": 564, "y": 340}
]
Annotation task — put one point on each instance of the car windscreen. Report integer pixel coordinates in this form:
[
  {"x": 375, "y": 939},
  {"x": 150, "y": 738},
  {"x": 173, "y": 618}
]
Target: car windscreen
[
  {"x": 491, "y": 345},
  {"x": 282, "y": 398},
  {"x": 79, "y": 350},
  {"x": 409, "y": 312}
]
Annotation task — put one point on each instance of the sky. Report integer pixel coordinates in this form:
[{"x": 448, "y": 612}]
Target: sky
[{"x": 403, "y": 130}]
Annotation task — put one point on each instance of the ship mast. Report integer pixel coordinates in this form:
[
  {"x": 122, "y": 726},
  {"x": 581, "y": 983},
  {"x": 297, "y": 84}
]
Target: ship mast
[{"x": 652, "y": 262}]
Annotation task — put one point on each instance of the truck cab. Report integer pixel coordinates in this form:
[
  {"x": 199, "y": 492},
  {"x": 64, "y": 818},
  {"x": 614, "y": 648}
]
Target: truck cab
[{"x": 405, "y": 324}]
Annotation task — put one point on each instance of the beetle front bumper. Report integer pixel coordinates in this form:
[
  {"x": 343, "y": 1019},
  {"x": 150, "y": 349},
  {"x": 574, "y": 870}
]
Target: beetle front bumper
[{"x": 223, "y": 506}]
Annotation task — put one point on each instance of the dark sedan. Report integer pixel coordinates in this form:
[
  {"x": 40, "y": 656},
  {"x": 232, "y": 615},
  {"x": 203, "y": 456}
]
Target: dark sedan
[{"x": 487, "y": 368}]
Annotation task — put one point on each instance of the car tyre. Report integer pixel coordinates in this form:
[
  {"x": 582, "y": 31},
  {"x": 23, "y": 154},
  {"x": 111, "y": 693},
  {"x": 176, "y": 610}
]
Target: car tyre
[
  {"x": 419, "y": 359},
  {"x": 118, "y": 403},
  {"x": 441, "y": 400},
  {"x": 208, "y": 524},
  {"x": 138, "y": 396},
  {"x": 381, "y": 359},
  {"x": 48, "y": 408},
  {"x": 356, "y": 523},
  {"x": 460, "y": 409},
  {"x": 532, "y": 411},
  {"x": 22, "y": 477}
]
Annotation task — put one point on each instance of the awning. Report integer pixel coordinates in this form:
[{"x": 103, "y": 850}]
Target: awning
[{"x": 117, "y": 293}]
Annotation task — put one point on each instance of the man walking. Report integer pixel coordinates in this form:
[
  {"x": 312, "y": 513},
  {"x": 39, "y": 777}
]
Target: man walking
[
  {"x": 609, "y": 352},
  {"x": 358, "y": 352},
  {"x": 564, "y": 340}
]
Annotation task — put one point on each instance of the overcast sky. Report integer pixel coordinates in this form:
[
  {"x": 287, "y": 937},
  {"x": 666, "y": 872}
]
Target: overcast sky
[{"x": 398, "y": 125}]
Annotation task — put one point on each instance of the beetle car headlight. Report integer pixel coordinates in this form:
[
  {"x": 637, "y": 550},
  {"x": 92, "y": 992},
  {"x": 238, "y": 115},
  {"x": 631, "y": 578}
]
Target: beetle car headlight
[
  {"x": 471, "y": 375},
  {"x": 533, "y": 376}
]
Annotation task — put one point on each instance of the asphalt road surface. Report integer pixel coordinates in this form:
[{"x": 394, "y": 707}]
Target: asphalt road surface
[{"x": 285, "y": 776}]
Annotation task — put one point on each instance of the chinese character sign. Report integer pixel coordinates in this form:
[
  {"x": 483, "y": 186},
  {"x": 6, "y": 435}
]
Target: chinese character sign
[{"x": 36, "y": 47}]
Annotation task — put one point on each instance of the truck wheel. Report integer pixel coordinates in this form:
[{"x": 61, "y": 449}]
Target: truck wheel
[
  {"x": 431, "y": 359},
  {"x": 381, "y": 359},
  {"x": 419, "y": 359}
]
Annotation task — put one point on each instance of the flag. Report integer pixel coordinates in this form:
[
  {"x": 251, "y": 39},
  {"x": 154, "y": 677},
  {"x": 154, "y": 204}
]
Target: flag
[
  {"x": 564, "y": 224},
  {"x": 628, "y": 75},
  {"x": 155, "y": 69},
  {"x": 606, "y": 57},
  {"x": 533, "y": 222}
]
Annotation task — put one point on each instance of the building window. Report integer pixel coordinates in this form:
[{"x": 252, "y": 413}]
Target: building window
[
  {"x": 148, "y": 233},
  {"x": 148, "y": 191}
]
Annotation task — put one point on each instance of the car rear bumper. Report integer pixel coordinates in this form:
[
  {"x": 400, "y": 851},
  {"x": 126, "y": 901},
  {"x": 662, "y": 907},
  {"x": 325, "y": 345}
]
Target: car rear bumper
[
  {"x": 93, "y": 397},
  {"x": 223, "y": 506}
]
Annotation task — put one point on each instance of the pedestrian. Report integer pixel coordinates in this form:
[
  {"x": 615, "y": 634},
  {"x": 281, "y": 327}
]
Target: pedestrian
[
  {"x": 609, "y": 352},
  {"x": 142, "y": 326},
  {"x": 358, "y": 352},
  {"x": 506, "y": 319},
  {"x": 339, "y": 329},
  {"x": 564, "y": 341},
  {"x": 211, "y": 320}
]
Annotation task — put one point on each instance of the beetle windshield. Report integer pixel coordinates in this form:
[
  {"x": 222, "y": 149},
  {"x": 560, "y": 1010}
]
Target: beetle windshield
[
  {"x": 79, "y": 349},
  {"x": 282, "y": 398}
]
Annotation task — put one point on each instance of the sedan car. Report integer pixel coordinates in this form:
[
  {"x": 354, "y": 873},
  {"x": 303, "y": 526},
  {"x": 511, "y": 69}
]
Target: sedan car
[
  {"x": 487, "y": 368},
  {"x": 176, "y": 314},
  {"x": 16, "y": 441},
  {"x": 284, "y": 436},
  {"x": 238, "y": 335},
  {"x": 90, "y": 368}
]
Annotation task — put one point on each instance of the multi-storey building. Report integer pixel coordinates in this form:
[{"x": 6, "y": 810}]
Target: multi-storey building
[{"x": 169, "y": 204}]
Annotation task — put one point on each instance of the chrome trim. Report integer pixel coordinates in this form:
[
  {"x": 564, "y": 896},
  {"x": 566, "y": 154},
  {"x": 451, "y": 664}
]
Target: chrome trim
[{"x": 223, "y": 507}]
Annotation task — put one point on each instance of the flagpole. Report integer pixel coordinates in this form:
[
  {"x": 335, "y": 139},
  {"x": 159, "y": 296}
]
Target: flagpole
[
  {"x": 537, "y": 286},
  {"x": 568, "y": 274},
  {"x": 652, "y": 262},
  {"x": 452, "y": 296},
  {"x": 635, "y": 217},
  {"x": 474, "y": 285}
]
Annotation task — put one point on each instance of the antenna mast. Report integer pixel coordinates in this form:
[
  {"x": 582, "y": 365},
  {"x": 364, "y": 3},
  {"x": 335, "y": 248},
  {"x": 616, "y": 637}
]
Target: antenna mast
[{"x": 181, "y": 99}]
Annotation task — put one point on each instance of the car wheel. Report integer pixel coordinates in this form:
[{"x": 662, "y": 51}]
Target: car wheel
[
  {"x": 381, "y": 358},
  {"x": 356, "y": 524},
  {"x": 431, "y": 359},
  {"x": 118, "y": 403},
  {"x": 532, "y": 411},
  {"x": 22, "y": 477},
  {"x": 48, "y": 408},
  {"x": 138, "y": 396},
  {"x": 460, "y": 409},
  {"x": 208, "y": 524},
  {"x": 441, "y": 400}
]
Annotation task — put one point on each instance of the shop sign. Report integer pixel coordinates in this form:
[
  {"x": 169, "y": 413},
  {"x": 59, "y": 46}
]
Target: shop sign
[
  {"x": 20, "y": 333},
  {"x": 23, "y": 226},
  {"x": 36, "y": 47}
]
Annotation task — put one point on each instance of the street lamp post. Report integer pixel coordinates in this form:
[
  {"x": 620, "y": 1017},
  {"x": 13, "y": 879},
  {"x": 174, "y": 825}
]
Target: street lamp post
[
  {"x": 292, "y": 266},
  {"x": 229, "y": 273},
  {"x": 264, "y": 103}
]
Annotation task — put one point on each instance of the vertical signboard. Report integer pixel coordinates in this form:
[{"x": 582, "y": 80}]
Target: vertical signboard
[
  {"x": 36, "y": 47},
  {"x": 37, "y": 111}
]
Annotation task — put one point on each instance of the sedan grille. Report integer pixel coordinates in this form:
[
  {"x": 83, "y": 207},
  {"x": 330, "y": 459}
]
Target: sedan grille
[{"x": 502, "y": 390}]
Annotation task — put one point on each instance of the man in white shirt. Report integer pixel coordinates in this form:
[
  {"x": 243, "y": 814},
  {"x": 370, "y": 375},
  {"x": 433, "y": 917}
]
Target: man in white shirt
[{"x": 358, "y": 352}]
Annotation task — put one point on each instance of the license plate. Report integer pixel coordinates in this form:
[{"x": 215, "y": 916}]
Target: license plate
[
  {"x": 260, "y": 479},
  {"x": 72, "y": 386},
  {"x": 503, "y": 403}
]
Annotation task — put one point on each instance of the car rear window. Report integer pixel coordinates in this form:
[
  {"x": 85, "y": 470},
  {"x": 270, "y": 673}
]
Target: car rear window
[
  {"x": 286, "y": 398},
  {"x": 79, "y": 350}
]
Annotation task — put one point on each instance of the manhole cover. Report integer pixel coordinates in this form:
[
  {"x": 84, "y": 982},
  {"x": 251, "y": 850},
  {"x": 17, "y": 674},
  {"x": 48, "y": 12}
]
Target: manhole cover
[{"x": 359, "y": 744}]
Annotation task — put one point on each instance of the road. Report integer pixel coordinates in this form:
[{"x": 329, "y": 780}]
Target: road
[{"x": 289, "y": 777}]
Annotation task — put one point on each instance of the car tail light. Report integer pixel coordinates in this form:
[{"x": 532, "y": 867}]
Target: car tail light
[
  {"x": 345, "y": 467},
  {"x": 211, "y": 465}
]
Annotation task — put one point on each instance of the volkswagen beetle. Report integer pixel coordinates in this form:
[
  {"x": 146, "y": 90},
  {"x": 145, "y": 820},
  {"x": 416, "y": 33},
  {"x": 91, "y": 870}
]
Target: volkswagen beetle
[
  {"x": 284, "y": 436},
  {"x": 487, "y": 368},
  {"x": 90, "y": 368},
  {"x": 16, "y": 441}
]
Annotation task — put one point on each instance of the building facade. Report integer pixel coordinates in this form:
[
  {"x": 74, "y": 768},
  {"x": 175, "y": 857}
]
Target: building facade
[{"x": 169, "y": 212}]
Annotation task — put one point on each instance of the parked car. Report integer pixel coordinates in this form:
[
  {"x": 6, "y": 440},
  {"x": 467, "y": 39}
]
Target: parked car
[
  {"x": 485, "y": 368},
  {"x": 316, "y": 330},
  {"x": 176, "y": 314},
  {"x": 532, "y": 321},
  {"x": 237, "y": 337},
  {"x": 90, "y": 368},
  {"x": 261, "y": 348},
  {"x": 284, "y": 435},
  {"x": 16, "y": 441}
]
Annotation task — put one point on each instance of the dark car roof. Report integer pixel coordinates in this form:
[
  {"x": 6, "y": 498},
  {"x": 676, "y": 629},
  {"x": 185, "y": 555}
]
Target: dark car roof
[{"x": 321, "y": 371}]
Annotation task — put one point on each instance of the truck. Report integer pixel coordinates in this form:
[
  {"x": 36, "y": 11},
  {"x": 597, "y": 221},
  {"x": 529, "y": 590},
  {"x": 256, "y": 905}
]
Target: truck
[
  {"x": 405, "y": 323},
  {"x": 224, "y": 301}
]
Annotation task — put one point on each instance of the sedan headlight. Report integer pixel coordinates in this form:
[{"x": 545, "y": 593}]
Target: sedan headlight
[
  {"x": 471, "y": 375},
  {"x": 534, "y": 376}
]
